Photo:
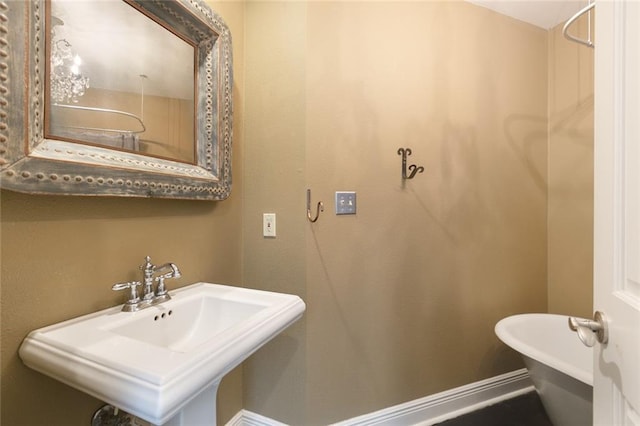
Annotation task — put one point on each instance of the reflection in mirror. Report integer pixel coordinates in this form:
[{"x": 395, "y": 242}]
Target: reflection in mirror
[{"x": 119, "y": 79}]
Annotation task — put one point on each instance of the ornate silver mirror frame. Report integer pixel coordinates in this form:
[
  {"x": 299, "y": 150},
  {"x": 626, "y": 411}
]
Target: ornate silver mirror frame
[{"x": 31, "y": 163}]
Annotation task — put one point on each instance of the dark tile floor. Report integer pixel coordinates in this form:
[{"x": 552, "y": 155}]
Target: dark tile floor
[{"x": 524, "y": 410}]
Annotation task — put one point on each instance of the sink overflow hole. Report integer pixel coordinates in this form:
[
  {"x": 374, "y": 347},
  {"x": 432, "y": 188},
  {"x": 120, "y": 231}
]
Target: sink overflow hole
[{"x": 162, "y": 316}]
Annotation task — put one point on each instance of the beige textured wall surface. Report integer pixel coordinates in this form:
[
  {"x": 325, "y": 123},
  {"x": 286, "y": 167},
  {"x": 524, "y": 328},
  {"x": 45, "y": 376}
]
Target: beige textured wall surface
[
  {"x": 60, "y": 256},
  {"x": 274, "y": 162},
  {"x": 402, "y": 297},
  {"x": 407, "y": 292},
  {"x": 570, "y": 212}
]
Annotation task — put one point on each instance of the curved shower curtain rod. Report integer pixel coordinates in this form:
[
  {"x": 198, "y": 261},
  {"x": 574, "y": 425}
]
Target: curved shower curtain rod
[
  {"x": 105, "y": 110},
  {"x": 565, "y": 29}
]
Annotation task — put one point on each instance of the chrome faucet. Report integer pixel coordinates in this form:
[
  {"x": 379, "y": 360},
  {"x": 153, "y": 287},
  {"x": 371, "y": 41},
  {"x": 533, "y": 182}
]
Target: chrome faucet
[
  {"x": 147, "y": 279},
  {"x": 149, "y": 297}
]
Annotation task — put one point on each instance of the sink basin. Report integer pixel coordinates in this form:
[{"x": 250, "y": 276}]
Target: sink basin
[
  {"x": 156, "y": 362},
  {"x": 184, "y": 326}
]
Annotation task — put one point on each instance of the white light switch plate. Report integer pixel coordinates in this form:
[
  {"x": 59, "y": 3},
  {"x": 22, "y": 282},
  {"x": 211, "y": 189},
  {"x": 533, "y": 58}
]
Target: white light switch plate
[{"x": 269, "y": 225}]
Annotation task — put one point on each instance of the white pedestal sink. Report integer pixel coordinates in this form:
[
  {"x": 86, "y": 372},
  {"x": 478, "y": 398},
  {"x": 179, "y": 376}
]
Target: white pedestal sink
[{"x": 164, "y": 363}]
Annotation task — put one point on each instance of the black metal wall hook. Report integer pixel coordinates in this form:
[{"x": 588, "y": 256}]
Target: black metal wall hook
[{"x": 413, "y": 168}]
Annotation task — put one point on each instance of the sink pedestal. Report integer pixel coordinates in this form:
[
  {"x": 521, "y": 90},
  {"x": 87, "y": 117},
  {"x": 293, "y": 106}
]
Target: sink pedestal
[{"x": 201, "y": 410}]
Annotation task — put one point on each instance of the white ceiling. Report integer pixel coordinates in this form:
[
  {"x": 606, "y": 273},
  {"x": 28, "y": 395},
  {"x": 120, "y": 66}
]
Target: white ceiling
[{"x": 542, "y": 13}]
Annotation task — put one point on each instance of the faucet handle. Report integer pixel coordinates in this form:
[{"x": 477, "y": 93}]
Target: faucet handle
[
  {"x": 161, "y": 290},
  {"x": 133, "y": 286}
]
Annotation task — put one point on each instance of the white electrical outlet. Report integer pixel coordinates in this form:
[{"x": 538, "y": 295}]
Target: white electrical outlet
[
  {"x": 269, "y": 225},
  {"x": 345, "y": 202}
]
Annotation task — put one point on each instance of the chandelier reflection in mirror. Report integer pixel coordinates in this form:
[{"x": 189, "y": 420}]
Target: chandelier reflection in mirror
[{"x": 67, "y": 81}]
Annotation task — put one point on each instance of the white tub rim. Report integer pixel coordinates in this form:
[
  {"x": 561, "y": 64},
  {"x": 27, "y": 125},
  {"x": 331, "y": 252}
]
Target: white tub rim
[{"x": 502, "y": 330}]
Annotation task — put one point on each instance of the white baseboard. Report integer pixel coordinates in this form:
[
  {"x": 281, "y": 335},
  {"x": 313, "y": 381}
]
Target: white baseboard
[
  {"x": 446, "y": 405},
  {"x": 248, "y": 418},
  {"x": 429, "y": 410}
]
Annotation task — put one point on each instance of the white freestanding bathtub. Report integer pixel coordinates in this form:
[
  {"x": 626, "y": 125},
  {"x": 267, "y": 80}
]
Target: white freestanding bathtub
[{"x": 560, "y": 366}]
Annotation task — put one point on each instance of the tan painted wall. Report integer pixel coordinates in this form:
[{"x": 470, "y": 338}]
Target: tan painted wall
[
  {"x": 60, "y": 256},
  {"x": 570, "y": 251},
  {"x": 274, "y": 167},
  {"x": 402, "y": 298}
]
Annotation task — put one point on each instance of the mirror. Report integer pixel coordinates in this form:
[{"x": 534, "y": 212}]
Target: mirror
[{"x": 123, "y": 98}]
